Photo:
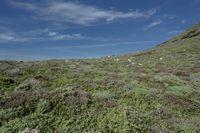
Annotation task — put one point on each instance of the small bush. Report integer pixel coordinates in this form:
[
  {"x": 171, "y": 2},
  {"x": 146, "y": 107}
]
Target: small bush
[
  {"x": 137, "y": 88},
  {"x": 195, "y": 97},
  {"x": 182, "y": 91},
  {"x": 185, "y": 128},
  {"x": 114, "y": 121},
  {"x": 22, "y": 98},
  {"x": 142, "y": 91},
  {"x": 131, "y": 85},
  {"x": 195, "y": 80},
  {"x": 6, "y": 81},
  {"x": 168, "y": 79},
  {"x": 103, "y": 95},
  {"x": 105, "y": 98},
  {"x": 78, "y": 97},
  {"x": 43, "y": 106},
  {"x": 11, "y": 113},
  {"x": 43, "y": 123}
]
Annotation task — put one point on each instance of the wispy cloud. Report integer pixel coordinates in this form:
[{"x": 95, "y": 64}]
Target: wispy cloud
[
  {"x": 8, "y": 37},
  {"x": 183, "y": 21},
  {"x": 103, "y": 45},
  {"x": 52, "y": 35},
  {"x": 11, "y": 37},
  {"x": 175, "y": 31},
  {"x": 170, "y": 17},
  {"x": 78, "y": 13},
  {"x": 154, "y": 24},
  {"x": 67, "y": 36},
  {"x": 47, "y": 35}
]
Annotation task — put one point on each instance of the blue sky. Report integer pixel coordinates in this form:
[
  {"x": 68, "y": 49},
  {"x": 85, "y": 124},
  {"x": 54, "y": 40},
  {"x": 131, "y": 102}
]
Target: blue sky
[{"x": 60, "y": 29}]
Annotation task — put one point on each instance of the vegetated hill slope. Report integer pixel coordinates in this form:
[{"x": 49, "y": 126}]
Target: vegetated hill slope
[{"x": 153, "y": 91}]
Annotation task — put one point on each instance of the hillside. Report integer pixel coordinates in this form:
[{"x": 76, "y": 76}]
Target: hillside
[{"x": 157, "y": 90}]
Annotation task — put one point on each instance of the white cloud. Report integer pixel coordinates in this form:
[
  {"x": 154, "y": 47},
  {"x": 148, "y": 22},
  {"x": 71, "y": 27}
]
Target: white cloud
[
  {"x": 170, "y": 17},
  {"x": 103, "y": 45},
  {"x": 8, "y": 37},
  {"x": 46, "y": 35},
  {"x": 77, "y": 13},
  {"x": 154, "y": 24},
  {"x": 67, "y": 37},
  {"x": 52, "y": 33},
  {"x": 175, "y": 31},
  {"x": 27, "y": 6}
]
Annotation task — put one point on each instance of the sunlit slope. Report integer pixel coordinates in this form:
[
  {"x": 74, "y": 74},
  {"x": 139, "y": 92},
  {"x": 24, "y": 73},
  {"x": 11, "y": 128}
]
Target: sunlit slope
[{"x": 157, "y": 90}]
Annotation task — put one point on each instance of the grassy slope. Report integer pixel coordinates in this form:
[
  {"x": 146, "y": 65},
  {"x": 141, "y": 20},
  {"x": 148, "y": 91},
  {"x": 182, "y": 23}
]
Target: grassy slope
[{"x": 153, "y": 91}]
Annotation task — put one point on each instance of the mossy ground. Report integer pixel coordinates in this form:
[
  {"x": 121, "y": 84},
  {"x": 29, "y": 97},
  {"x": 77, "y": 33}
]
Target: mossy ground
[{"x": 153, "y": 91}]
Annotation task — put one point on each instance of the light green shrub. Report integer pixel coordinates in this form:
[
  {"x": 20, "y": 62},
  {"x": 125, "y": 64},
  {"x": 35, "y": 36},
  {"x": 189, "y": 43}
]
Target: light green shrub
[
  {"x": 183, "y": 91},
  {"x": 185, "y": 128},
  {"x": 137, "y": 88},
  {"x": 103, "y": 95},
  {"x": 11, "y": 113},
  {"x": 43, "y": 106},
  {"x": 43, "y": 123},
  {"x": 168, "y": 79},
  {"x": 195, "y": 80}
]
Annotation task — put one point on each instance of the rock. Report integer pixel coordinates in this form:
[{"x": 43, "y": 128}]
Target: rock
[
  {"x": 117, "y": 59},
  {"x": 14, "y": 71},
  {"x": 129, "y": 60},
  {"x": 29, "y": 84},
  {"x": 27, "y": 130}
]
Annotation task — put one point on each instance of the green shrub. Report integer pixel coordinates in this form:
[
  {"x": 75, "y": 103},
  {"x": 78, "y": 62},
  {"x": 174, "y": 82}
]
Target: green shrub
[
  {"x": 105, "y": 98},
  {"x": 103, "y": 95},
  {"x": 6, "y": 82},
  {"x": 139, "y": 119},
  {"x": 195, "y": 96},
  {"x": 142, "y": 91},
  {"x": 21, "y": 98},
  {"x": 11, "y": 113},
  {"x": 113, "y": 121},
  {"x": 43, "y": 106},
  {"x": 137, "y": 88},
  {"x": 185, "y": 128},
  {"x": 182, "y": 91},
  {"x": 43, "y": 123},
  {"x": 77, "y": 98},
  {"x": 168, "y": 79},
  {"x": 131, "y": 85},
  {"x": 195, "y": 80}
]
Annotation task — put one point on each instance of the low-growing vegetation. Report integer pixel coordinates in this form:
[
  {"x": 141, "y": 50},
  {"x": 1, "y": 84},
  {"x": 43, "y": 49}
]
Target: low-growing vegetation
[{"x": 152, "y": 91}]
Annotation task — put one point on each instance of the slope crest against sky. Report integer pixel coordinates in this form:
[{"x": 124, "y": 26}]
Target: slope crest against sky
[{"x": 33, "y": 30}]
